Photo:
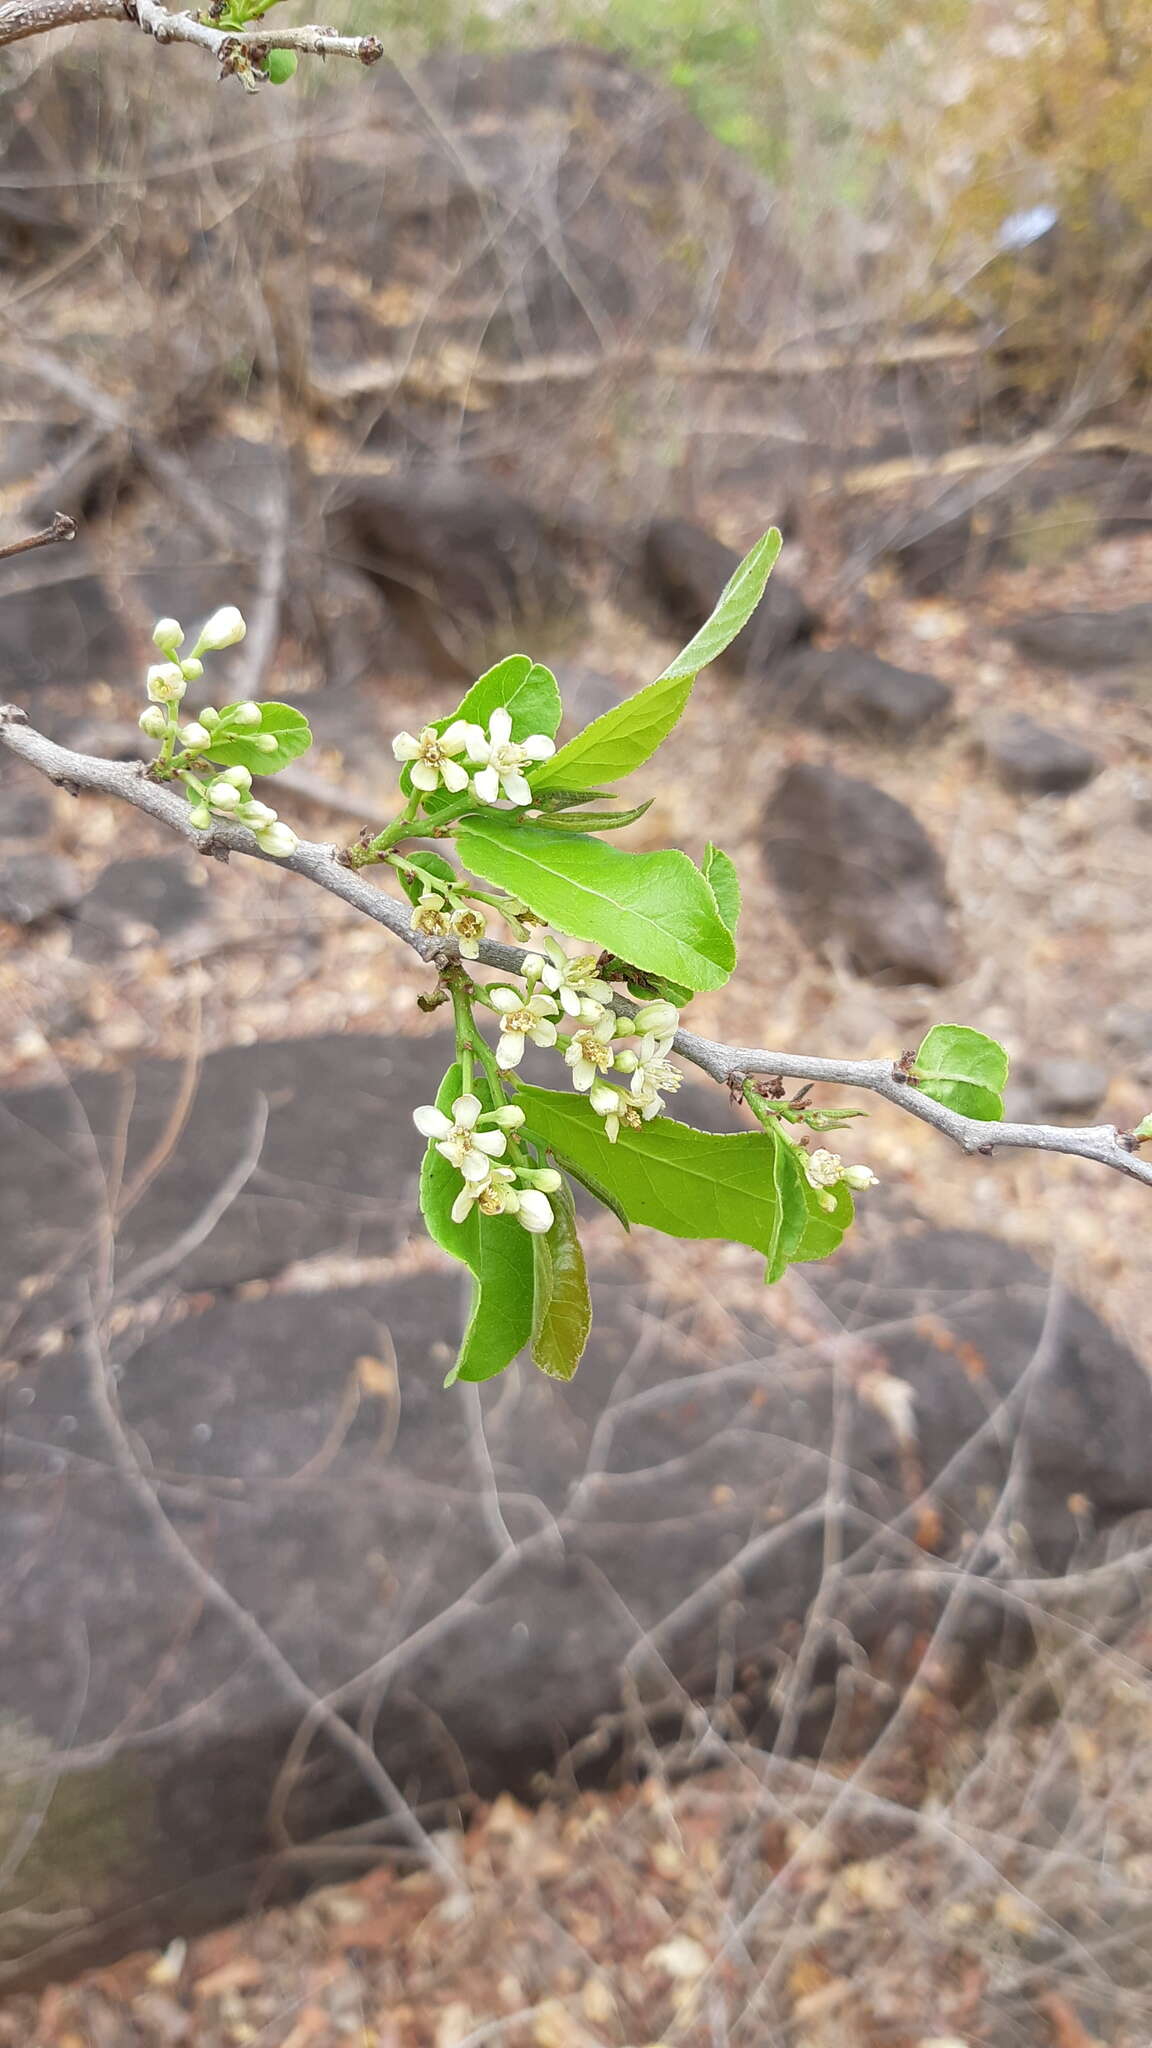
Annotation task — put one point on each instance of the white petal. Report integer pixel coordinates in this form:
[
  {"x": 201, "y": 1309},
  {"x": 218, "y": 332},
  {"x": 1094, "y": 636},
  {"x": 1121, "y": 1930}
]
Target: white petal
[
  {"x": 504, "y": 998},
  {"x": 515, "y": 788},
  {"x": 474, "y": 1167},
  {"x": 538, "y": 748},
  {"x": 469, "y": 948},
  {"x": 510, "y": 1050},
  {"x": 569, "y": 1001},
  {"x": 487, "y": 785},
  {"x": 583, "y": 1075},
  {"x": 491, "y": 1142},
  {"x": 404, "y": 747},
  {"x": 500, "y": 727},
  {"x": 424, "y": 776},
  {"x": 431, "y": 1122},
  {"x": 455, "y": 776},
  {"x": 466, "y": 1109},
  {"x": 461, "y": 1207},
  {"x": 545, "y": 1032},
  {"x": 455, "y": 739},
  {"x": 476, "y": 742},
  {"x": 605, "y": 1026}
]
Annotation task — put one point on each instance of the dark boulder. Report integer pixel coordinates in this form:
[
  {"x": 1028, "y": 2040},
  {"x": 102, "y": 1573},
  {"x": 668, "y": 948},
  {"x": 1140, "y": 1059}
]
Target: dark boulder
[
  {"x": 846, "y": 689},
  {"x": 685, "y": 568},
  {"x": 1087, "y": 640},
  {"x": 854, "y": 868},
  {"x": 1036, "y": 761},
  {"x": 34, "y": 886},
  {"x": 150, "y": 893}
]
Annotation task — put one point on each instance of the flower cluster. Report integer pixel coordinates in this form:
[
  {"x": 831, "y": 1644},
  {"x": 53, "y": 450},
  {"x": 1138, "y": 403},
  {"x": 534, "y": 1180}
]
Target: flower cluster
[
  {"x": 559, "y": 993},
  {"x": 225, "y": 793},
  {"x": 497, "y": 1190},
  {"x": 464, "y": 757},
  {"x": 826, "y": 1171}
]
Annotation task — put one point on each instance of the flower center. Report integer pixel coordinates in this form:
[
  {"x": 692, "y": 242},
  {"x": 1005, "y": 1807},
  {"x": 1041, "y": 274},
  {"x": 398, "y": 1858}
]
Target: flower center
[
  {"x": 595, "y": 1050},
  {"x": 521, "y": 1021},
  {"x": 508, "y": 758},
  {"x": 490, "y": 1202}
]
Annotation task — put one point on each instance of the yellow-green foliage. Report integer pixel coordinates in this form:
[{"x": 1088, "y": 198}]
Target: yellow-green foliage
[{"x": 71, "y": 1836}]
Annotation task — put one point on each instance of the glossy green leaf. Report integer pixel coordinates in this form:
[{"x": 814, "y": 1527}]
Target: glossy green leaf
[
  {"x": 622, "y": 740},
  {"x": 654, "y": 909},
  {"x": 964, "y": 1070},
  {"x": 524, "y": 688},
  {"x": 438, "y": 873},
  {"x": 238, "y": 749},
  {"x": 563, "y": 1309},
  {"x": 720, "y": 873},
  {"x": 687, "y": 1183},
  {"x": 734, "y": 607},
  {"x": 496, "y": 1250},
  {"x": 599, "y": 1189}
]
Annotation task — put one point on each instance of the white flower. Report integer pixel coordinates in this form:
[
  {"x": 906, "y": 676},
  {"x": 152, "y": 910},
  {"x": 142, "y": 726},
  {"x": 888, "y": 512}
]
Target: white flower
[
  {"x": 569, "y": 979},
  {"x": 505, "y": 759},
  {"x": 824, "y": 1169},
  {"x": 534, "y": 1211},
  {"x": 431, "y": 916},
  {"x": 223, "y": 629},
  {"x": 165, "y": 683},
  {"x": 521, "y": 1020},
  {"x": 277, "y": 839},
  {"x": 469, "y": 928},
  {"x": 432, "y": 756},
  {"x": 456, "y": 1138},
  {"x": 660, "y": 1017},
  {"x": 494, "y": 1195},
  {"x": 615, "y": 1108},
  {"x": 168, "y": 634},
  {"x": 590, "y": 1052},
  {"x": 859, "y": 1177},
  {"x": 652, "y": 1071}
]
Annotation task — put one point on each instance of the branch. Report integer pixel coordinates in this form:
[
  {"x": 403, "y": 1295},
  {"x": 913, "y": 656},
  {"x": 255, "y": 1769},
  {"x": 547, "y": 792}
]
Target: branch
[
  {"x": 234, "y": 48},
  {"x": 62, "y": 528},
  {"x": 130, "y": 782}
]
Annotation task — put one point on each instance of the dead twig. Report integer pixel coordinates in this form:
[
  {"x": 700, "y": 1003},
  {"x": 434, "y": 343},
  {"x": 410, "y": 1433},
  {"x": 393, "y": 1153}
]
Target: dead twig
[{"x": 62, "y": 528}]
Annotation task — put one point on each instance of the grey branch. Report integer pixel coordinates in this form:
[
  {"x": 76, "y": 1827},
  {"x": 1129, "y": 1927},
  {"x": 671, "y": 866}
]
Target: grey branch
[
  {"x": 321, "y": 864},
  {"x": 21, "y": 18}
]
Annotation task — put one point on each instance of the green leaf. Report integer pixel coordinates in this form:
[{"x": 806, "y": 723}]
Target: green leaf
[
  {"x": 655, "y": 909},
  {"x": 623, "y": 739},
  {"x": 597, "y": 1188},
  {"x": 440, "y": 873},
  {"x": 964, "y": 1070},
  {"x": 496, "y": 1250},
  {"x": 563, "y": 1309},
  {"x": 734, "y": 607},
  {"x": 747, "y": 1188},
  {"x": 720, "y": 873},
  {"x": 525, "y": 689},
  {"x": 598, "y": 821},
  {"x": 237, "y": 749}
]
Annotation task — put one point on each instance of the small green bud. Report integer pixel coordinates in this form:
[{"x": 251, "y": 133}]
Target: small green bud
[
  {"x": 256, "y": 814},
  {"x": 509, "y": 1117},
  {"x": 626, "y": 1062},
  {"x": 192, "y": 670},
  {"x": 659, "y": 1017},
  {"x": 280, "y": 66},
  {"x": 196, "y": 737},
  {"x": 266, "y": 742},
  {"x": 545, "y": 1178},
  {"x": 154, "y": 722},
  {"x": 242, "y": 777},
  {"x": 1143, "y": 1130},
  {"x": 277, "y": 839},
  {"x": 223, "y": 796},
  {"x": 247, "y": 716},
  {"x": 201, "y": 817},
  {"x": 210, "y": 717},
  {"x": 532, "y": 966},
  {"x": 168, "y": 634}
]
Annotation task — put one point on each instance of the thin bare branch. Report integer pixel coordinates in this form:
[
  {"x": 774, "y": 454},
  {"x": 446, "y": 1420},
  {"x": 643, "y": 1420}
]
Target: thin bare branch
[
  {"x": 234, "y": 50},
  {"x": 1103, "y": 1144},
  {"x": 62, "y": 528}
]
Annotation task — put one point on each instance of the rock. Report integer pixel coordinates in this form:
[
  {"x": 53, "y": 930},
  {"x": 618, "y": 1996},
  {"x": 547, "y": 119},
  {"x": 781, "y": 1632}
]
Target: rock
[
  {"x": 1087, "y": 640},
  {"x": 685, "y": 568},
  {"x": 149, "y": 893},
  {"x": 1128, "y": 1026},
  {"x": 25, "y": 803},
  {"x": 855, "y": 868},
  {"x": 457, "y": 558},
  {"x": 57, "y": 628},
  {"x": 307, "y": 1461},
  {"x": 845, "y": 689},
  {"x": 1057, "y": 1091},
  {"x": 1030, "y": 758},
  {"x": 36, "y": 885}
]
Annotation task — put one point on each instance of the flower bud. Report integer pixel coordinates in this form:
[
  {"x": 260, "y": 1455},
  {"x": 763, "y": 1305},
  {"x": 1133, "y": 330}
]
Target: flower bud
[
  {"x": 277, "y": 839},
  {"x": 165, "y": 683},
  {"x": 153, "y": 721},
  {"x": 545, "y": 1178},
  {"x": 196, "y": 737},
  {"x": 859, "y": 1177},
  {"x": 192, "y": 670},
  {"x": 532, "y": 965},
  {"x": 223, "y": 796},
  {"x": 223, "y": 629},
  {"x": 626, "y": 1062},
  {"x": 246, "y": 716},
  {"x": 201, "y": 817},
  {"x": 210, "y": 717},
  {"x": 256, "y": 814},
  {"x": 168, "y": 634},
  {"x": 509, "y": 1118},
  {"x": 534, "y": 1211},
  {"x": 660, "y": 1018},
  {"x": 240, "y": 777},
  {"x": 265, "y": 742}
]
